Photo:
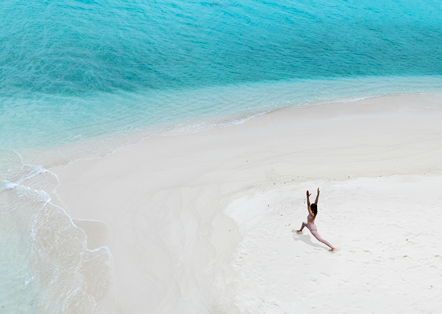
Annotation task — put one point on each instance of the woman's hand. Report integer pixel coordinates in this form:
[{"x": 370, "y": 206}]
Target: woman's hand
[
  {"x": 308, "y": 194},
  {"x": 318, "y": 191}
]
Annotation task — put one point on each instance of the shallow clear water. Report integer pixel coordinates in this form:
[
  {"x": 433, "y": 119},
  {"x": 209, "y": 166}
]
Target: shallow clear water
[{"x": 75, "y": 72}]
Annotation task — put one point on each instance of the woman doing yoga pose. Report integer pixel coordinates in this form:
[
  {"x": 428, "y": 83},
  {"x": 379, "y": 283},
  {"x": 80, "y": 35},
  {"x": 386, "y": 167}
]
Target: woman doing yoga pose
[{"x": 312, "y": 212}]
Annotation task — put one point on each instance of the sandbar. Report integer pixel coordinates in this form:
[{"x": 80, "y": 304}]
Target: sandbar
[{"x": 202, "y": 222}]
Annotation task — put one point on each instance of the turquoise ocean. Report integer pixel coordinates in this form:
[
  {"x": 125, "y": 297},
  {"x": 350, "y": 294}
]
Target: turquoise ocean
[{"x": 79, "y": 79}]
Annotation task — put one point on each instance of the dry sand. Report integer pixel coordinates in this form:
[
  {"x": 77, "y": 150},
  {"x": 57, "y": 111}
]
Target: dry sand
[{"x": 202, "y": 223}]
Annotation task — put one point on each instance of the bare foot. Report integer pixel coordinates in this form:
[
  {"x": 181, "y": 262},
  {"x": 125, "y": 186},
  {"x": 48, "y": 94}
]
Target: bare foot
[
  {"x": 299, "y": 231},
  {"x": 334, "y": 250}
]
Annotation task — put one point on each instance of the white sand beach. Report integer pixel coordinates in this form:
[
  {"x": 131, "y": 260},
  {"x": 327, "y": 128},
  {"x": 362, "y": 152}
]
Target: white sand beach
[{"x": 202, "y": 223}]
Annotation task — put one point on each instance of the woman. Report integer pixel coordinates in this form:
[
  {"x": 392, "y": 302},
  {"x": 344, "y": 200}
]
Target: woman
[{"x": 312, "y": 212}]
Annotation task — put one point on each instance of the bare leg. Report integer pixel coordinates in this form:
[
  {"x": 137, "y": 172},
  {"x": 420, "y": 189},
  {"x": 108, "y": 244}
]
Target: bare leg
[
  {"x": 318, "y": 237},
  {"x": 302, "y": 227}
]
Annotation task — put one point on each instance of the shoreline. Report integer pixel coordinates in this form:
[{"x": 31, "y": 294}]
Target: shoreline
[
  {"x": 98, "y": 143},
  {"x": 177, "y": 234}
]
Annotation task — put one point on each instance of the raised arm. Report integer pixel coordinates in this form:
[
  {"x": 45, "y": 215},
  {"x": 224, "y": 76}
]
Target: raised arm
[
  {"x": 317, "y": 198},
  {"x": 308, "y": 206}
]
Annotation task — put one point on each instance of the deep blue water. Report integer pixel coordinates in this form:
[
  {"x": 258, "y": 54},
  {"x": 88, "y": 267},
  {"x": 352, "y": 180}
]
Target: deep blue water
[
  {"x": 81, "y": 47},
  {"x": 78, "y": 70}
]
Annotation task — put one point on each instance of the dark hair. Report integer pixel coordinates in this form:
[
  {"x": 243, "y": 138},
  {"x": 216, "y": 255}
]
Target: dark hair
[{"x": 314, "y": 208}]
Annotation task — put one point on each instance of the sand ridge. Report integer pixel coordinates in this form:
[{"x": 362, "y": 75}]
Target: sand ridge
[{"x": 387, "y": 248}]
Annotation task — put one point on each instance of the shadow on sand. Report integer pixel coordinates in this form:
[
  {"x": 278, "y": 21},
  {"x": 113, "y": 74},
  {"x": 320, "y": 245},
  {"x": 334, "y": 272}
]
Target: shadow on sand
[{"x": 306, "y": 238}]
